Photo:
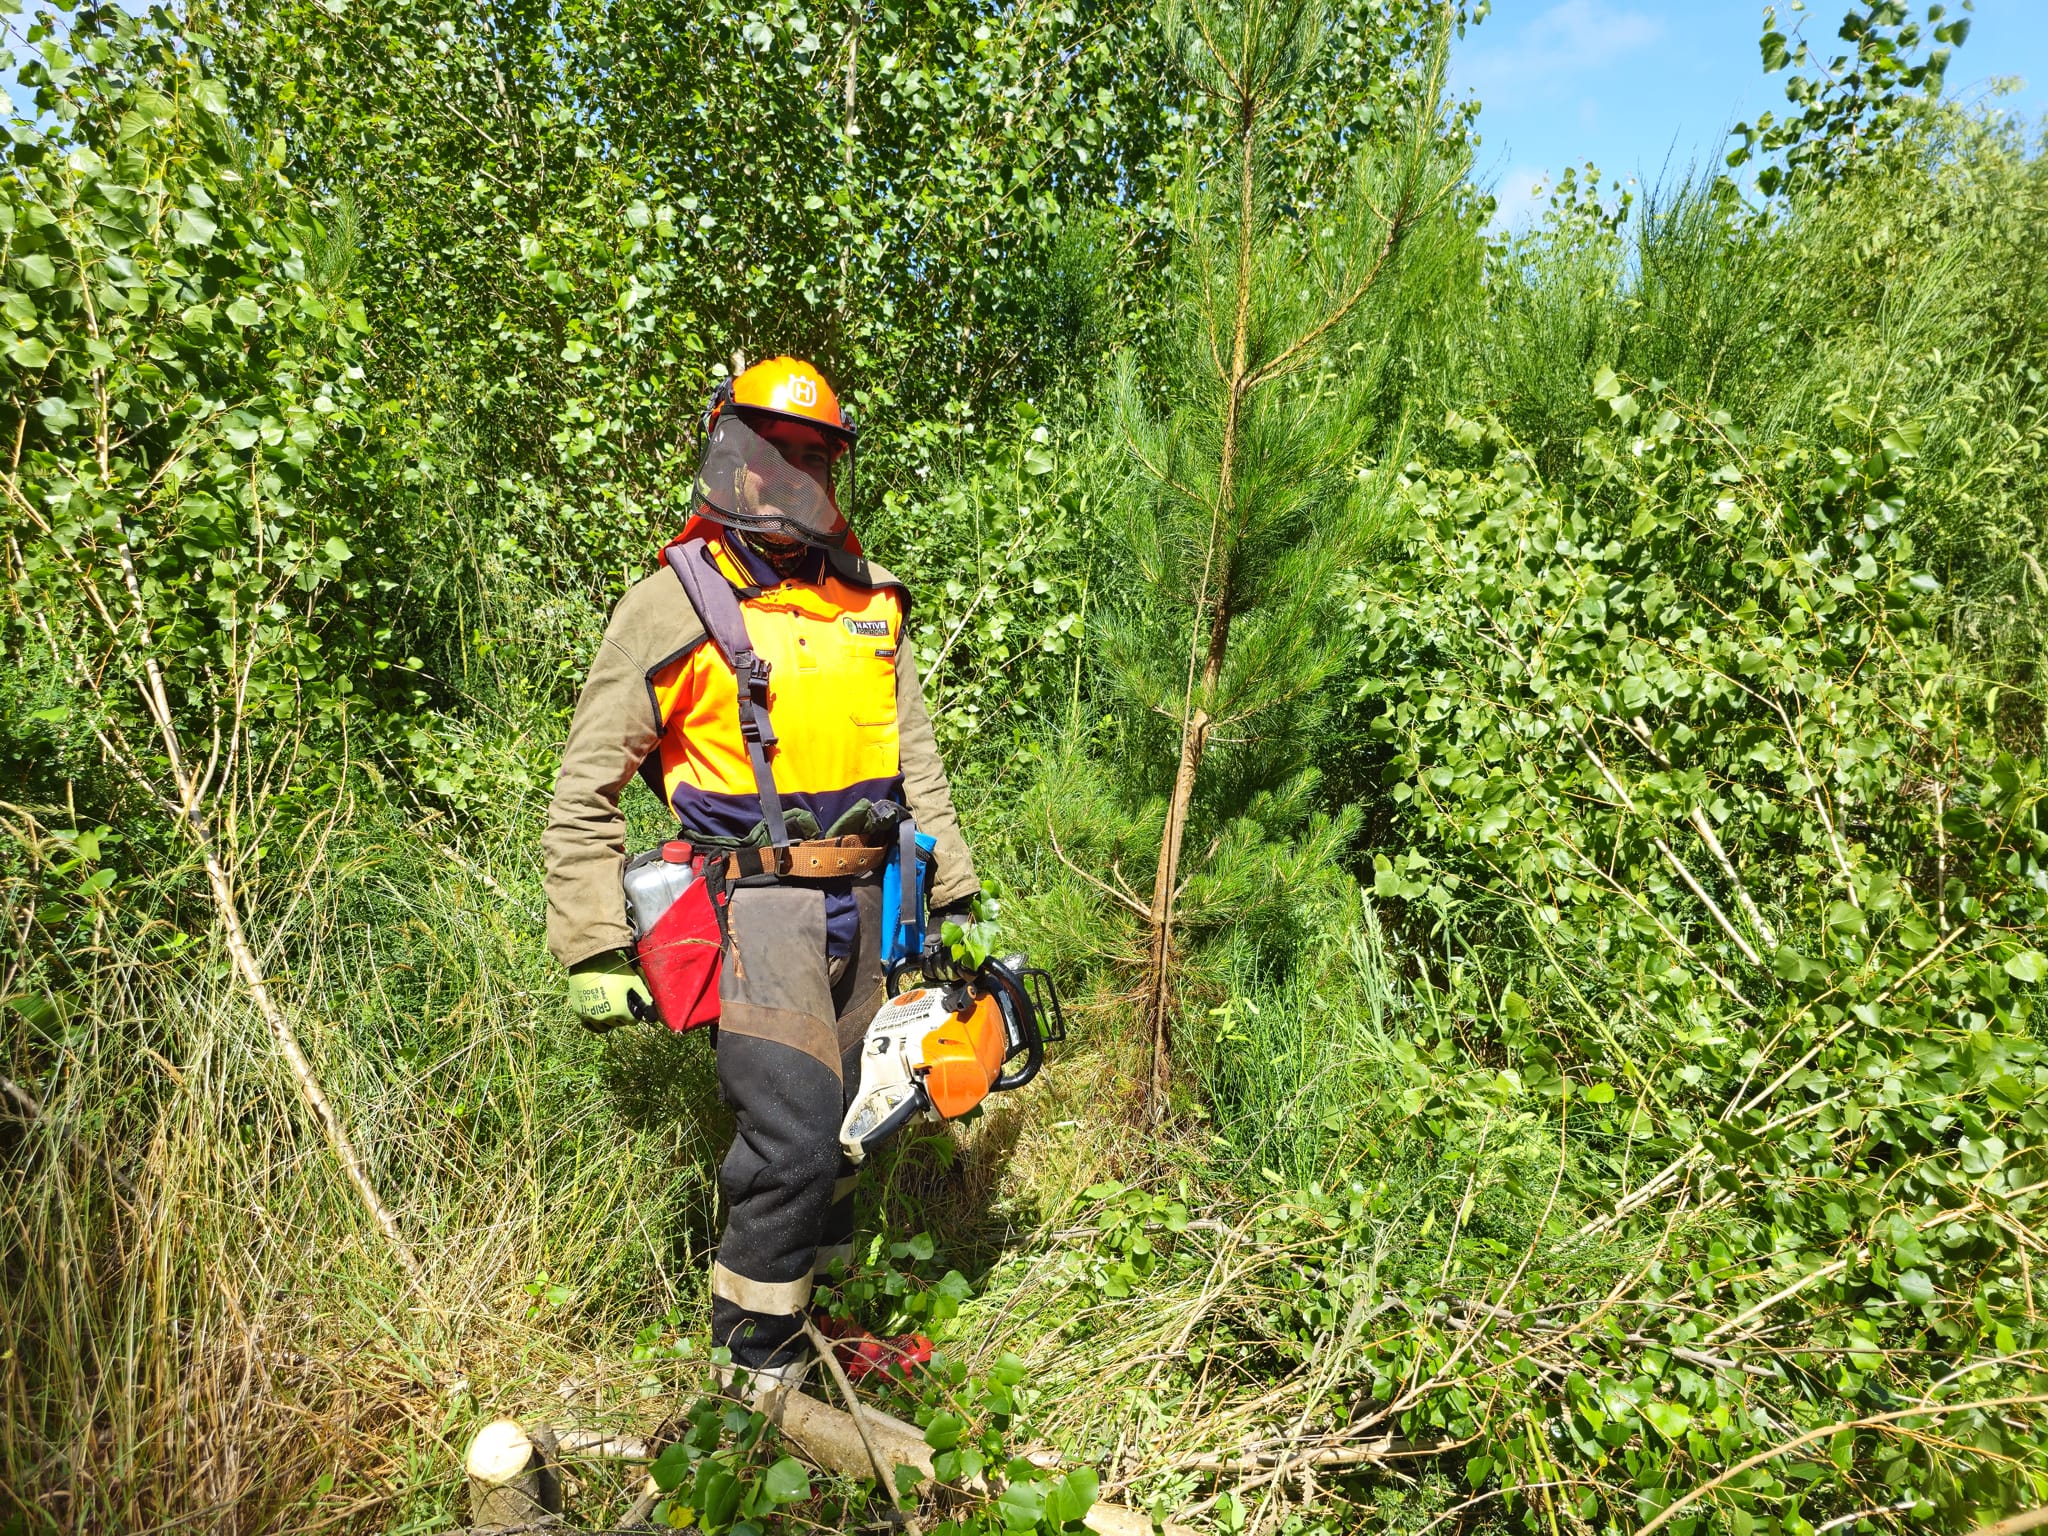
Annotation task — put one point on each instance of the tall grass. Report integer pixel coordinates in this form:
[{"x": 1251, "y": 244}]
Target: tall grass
[
  {"x": 1296, "y": 1066},
  {"x": 199, "y": 1324}
]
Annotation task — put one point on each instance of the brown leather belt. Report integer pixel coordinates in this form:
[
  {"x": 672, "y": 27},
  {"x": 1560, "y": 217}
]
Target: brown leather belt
[{"x": 821, "y": 860}]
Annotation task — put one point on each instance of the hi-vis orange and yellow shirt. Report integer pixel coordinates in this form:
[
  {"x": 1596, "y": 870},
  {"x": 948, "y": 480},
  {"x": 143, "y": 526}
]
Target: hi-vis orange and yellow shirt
[
  {"x": 843, "y": 696},
  {"x": 831, "y": 648}
]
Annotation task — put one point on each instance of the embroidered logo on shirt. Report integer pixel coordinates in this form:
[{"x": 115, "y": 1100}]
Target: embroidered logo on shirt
[{"x": 871, "y": 628}]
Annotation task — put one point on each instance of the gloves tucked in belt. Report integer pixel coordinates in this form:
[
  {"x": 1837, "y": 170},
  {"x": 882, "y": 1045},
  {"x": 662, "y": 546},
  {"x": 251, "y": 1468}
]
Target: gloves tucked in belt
[{"x": 606, "y": 991}]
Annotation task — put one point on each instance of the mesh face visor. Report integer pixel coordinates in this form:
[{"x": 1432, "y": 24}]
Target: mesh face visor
[{"x": 748, "y": 481}]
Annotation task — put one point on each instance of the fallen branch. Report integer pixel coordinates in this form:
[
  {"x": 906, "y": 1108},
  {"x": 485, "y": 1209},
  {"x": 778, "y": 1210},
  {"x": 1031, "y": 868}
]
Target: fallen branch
[
  {"x": 830, "y": 1357},
  {"x": 1368, "y": 1453},
  {"x": 2012, "y": 1525},
  {"x": 1685, "y": 1501}
]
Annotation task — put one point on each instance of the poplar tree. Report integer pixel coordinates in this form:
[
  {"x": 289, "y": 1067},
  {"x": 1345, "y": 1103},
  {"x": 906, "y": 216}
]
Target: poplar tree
[{"x": 1249, "y": 495}]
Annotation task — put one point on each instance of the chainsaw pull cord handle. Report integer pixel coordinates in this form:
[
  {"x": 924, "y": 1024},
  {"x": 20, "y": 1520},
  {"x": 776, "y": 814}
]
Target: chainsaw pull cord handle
[{"x": 718, "y": 609}]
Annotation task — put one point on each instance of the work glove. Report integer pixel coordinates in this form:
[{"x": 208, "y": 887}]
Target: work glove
[
  {"x": 606, "y": 991},
  {"x": 936, "y": 956}
]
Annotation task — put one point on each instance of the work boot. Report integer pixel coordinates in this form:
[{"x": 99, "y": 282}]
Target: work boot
[
  {"x": 764, "y": 1381},
  {"x": 862, "y": 1353}
]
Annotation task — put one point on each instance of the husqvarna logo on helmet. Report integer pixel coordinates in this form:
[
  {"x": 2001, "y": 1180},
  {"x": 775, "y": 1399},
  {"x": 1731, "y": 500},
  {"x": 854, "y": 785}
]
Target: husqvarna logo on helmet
[{"x": 803, "y": 392}]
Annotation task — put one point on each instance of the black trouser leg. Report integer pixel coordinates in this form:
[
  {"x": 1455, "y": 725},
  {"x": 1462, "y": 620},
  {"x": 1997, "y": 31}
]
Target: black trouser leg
[
  {"x": 777, "y": 1180},
  {"x": 785, "y": 1033},
  {"x": 778, "y": 1066}
]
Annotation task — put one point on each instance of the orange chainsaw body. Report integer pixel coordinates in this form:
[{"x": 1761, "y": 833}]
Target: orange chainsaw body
[
  {"x": 964, "y": 1056},
  {"x": 942, "y": 1048}
]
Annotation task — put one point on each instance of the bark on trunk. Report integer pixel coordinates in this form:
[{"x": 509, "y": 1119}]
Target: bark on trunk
[{"x": 1212, "y": 602}]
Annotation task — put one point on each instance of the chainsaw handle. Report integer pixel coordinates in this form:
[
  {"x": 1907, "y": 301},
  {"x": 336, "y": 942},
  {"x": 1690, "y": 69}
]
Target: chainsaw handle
[{"x": 1015, "y": 1002}]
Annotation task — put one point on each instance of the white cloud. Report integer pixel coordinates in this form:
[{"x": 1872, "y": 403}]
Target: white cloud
[
  {"x": 1518, "y": 196},
  {"x": 1552, "y": 50}
]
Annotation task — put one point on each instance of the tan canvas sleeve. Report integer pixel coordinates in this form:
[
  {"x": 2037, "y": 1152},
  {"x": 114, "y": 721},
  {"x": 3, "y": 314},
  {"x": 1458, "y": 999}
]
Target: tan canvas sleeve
[
  {"x": 614, "y": 728},
  {"x": 925, "y": 786}
]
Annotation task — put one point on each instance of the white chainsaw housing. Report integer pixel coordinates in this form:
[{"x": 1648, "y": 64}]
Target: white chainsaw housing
[{"x": 891, "y": 1064}]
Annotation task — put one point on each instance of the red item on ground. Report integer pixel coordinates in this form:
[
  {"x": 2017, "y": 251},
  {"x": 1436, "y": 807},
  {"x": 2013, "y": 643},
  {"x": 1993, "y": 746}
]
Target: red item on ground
[{"x": 862, "y": 1353}]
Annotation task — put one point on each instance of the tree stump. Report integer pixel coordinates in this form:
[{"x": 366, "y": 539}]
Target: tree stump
[{"x": 512, "y": 1477}]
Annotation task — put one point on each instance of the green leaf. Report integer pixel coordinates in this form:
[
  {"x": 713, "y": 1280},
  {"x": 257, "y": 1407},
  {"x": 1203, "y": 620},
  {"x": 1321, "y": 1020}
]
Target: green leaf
[
  {"x": 194, "y": 228},
  {"x": 1915, "y": 1286},
  {"x": 718, "y": 1494},
  {"x": 37, "y": 271},
  {"x": 29, "y": 352},
  {"x": 1021, "y": 1506},
  {"x": 1671, "y": 1420},
  {"x": 671, "y": 1466},
  {"x": 245, "y": 312},
  {"x": 787, "y": 1481},
  {"x": 944, "y": 1431},
  {"x": 2027, "y": 965},
  {"x": 1072, "y": 1497},
  {"x": 1792, "y": 966}
]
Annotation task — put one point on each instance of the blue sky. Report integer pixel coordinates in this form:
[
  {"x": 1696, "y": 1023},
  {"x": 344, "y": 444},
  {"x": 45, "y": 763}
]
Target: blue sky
[{"x": 1635, "y": 84}]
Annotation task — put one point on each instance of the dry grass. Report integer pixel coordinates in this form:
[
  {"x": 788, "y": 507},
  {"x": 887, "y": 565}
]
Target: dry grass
[{"x": 200, "y": 1329}]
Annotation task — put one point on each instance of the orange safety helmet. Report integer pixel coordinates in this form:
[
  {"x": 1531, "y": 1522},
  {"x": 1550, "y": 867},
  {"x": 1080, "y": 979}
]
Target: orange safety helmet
[
  {"x": 745, "y": 482},
  {"x": 787, "y": 387}
]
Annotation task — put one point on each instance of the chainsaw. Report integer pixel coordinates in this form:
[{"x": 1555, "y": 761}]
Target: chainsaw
[{"x": 940, "y": 1048}]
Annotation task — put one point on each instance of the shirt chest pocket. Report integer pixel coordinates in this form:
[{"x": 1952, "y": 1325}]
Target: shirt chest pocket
[{"x": 866, "y": 655}]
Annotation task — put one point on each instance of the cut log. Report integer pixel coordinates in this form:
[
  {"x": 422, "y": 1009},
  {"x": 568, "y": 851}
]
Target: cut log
[
  {"x": 512, "y": 1482},
  {"x": 829, "y": 1437}
]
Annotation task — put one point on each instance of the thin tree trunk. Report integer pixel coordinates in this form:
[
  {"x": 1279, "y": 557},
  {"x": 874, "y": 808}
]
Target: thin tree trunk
[
  {"x": 1215, "y": 589},
  {"x": 191, "y": 814},
  {"x": 228, "y": 909},
  {"x": 852, "y": 76}
]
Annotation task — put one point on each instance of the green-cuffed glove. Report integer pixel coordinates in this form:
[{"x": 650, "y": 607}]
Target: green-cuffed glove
[{"x": 606, "y": 991}]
